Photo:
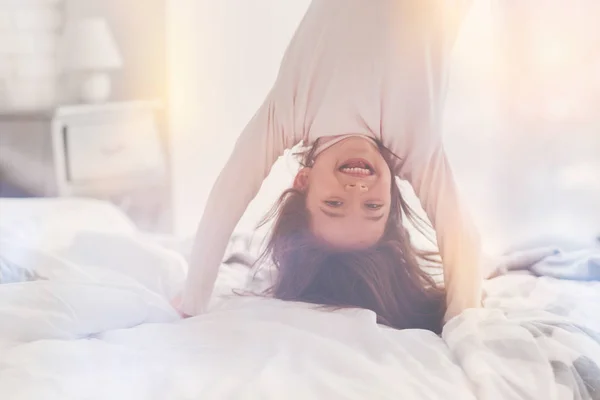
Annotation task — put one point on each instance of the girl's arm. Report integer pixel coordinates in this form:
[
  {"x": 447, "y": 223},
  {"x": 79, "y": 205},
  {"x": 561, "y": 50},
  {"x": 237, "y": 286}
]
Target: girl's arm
[
  {"x": 424, "y": 162},
  {"x": 256, "y": 150},
  {"x": 457, "y": 236}
]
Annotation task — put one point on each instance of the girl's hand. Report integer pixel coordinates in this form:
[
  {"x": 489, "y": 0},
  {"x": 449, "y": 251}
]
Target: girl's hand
[{"x": 177, "y": 303}]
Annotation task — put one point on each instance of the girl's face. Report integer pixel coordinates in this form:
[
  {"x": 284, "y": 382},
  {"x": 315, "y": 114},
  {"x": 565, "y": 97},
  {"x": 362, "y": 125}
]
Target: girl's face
[{"x": 348, "y": 193}]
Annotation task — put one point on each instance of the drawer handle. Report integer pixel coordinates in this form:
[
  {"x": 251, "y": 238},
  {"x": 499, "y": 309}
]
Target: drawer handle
[{"x": 111, "y": 151}]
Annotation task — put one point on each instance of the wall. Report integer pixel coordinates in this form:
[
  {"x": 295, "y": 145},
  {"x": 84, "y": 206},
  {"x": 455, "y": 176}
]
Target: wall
[
  {"x": 223, "y": 58},
  {"x": 29, "y": 37},
  {"x": 29, "y": 31}
]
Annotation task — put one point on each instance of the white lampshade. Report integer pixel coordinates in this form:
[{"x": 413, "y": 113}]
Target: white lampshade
[{"x": 88, "y": 45}]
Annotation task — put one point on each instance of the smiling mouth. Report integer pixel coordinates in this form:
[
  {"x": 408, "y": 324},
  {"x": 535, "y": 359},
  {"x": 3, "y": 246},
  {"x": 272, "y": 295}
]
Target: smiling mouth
[{"x": 357, "y": 167}]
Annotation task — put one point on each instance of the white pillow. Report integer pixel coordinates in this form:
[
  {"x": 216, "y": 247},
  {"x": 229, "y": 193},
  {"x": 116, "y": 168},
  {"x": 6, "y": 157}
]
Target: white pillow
[
  {"x": 51, "y": 223},
  {"x": 69, "y": 301}
]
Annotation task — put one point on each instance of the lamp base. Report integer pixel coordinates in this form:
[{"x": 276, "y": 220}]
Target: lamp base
[{"x": 95, "y": 87}]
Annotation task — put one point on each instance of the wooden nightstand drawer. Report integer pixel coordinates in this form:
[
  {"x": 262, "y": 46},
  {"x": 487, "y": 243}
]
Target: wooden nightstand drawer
[{"x": 111, "y": 149}]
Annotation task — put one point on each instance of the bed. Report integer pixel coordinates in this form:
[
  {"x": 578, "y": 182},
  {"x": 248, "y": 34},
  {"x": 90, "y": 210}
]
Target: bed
[{"x": 85, "y": 313}]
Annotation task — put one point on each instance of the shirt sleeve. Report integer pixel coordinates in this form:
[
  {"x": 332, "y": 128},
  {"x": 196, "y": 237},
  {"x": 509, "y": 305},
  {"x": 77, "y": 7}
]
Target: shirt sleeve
[
  {"x": 256, "y": 150},
  {"x": 457, "y": 237},
  {"x": 424, "y": 162}
]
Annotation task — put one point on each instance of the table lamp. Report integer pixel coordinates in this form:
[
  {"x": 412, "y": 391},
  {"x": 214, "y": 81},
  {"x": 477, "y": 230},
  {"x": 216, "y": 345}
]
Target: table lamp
[{"x": 89, "y": 48}]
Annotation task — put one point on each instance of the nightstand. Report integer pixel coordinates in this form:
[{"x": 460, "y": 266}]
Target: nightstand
[{"x": 112, "y": 152}]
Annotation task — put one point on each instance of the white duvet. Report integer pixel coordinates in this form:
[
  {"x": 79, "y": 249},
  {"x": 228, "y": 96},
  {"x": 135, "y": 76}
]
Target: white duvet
[
  {"x": 82, "y": 330},
  {"x": 94, "y": 321}
]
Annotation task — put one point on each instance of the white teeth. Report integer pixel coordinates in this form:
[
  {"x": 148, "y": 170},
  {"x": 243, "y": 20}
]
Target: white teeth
[{"x": 361, "y": 171}]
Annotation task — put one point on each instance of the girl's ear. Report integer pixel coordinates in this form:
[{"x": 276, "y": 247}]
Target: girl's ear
[{"x": 301, "y": 180}]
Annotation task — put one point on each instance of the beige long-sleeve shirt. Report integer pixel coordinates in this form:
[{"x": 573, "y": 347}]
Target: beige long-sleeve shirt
[{"x": 369, "y": 67}]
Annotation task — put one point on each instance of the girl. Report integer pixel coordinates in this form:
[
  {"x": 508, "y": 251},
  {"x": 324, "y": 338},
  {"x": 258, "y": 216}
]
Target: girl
[{"x": 357, "y": 74}]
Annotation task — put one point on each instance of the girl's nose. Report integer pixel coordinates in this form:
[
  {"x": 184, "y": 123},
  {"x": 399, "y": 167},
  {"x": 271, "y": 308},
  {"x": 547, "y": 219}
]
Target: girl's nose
[{"x": 362, "y": 187}]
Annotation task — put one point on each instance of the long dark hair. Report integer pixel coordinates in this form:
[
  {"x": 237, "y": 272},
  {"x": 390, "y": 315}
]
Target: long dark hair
[{"x": 386, "y": 278}]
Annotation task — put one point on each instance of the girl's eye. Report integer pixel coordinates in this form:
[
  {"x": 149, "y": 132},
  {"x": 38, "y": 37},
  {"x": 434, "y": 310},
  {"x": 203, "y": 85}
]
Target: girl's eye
[
  {"x": 373, "y": 206},
  {"x": 333, "y": 203}
]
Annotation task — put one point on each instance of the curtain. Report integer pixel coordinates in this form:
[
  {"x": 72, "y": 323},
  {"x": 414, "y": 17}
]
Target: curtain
[{"x": 523, "y": 118}]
